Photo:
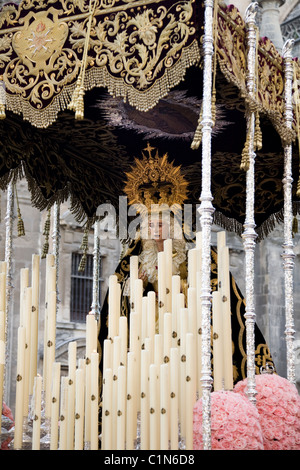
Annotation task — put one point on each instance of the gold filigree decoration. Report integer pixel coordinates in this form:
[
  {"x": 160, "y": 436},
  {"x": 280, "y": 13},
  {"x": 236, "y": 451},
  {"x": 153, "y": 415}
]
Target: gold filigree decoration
[
  {"x": 136, "y": 49},
  {"x": 231, "y": 53}
]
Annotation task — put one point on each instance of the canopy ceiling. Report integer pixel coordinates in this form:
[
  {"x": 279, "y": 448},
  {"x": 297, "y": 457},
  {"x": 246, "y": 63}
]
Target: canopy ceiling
[{"x": 88, "y": 84}]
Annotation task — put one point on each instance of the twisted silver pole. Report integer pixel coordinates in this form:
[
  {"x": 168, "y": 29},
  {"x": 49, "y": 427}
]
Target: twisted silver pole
[
  {"x": 56, "y": 244},
  {"x": 249, "y": 235},
  {"x": 206, "y": 211},
  {"x": 95, "y": 307},
  {"x": 288, "y": 253},
  {"x": 9, "y": 220}
]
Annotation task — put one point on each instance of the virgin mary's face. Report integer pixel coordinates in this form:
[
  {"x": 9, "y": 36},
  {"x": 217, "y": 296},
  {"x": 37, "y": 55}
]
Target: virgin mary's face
[{"x": 158, "y": 228}]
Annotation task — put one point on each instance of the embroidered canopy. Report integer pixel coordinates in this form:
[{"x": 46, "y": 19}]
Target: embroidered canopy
[{"x": 85, "y": 84}]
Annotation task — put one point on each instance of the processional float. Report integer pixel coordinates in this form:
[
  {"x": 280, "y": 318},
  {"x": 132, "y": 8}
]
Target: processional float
[{"x": 55, "y": 54}]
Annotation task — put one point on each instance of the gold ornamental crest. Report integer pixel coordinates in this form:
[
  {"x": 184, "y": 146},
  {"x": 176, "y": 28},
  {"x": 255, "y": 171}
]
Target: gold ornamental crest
[
  {"x": 40, "y": 39},
  {"x": 155, "y": 180}
]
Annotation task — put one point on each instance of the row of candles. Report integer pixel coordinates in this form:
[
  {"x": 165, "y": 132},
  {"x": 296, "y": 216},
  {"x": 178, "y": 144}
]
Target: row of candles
[
  {"x": 157, "y": 378},
  {"x": 62, "y": 409},
  {"x": 151, "y": 375}
]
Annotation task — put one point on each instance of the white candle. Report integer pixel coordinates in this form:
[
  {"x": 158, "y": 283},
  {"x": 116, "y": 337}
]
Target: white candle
[
  {"x": 18, "y": 435},
  {"x": 190, "y": 391},
  {"x": 199, "y": 334},
  {"x": 183, "y": 331},
  {"x": 27, "y": 307},
  {"x": 50, "y": 348},
  {"x": 94, "y": 400},
  {"x": 217, "y": 340},
  {"x": 180, "y": 306},
  {"x": 35, "y": 279},
  {"x": 168, "y": 249},
  {"x": 134, "y": 275},
  {"x": 131, "y": 408},
  {"x": 3, "y": 267},
  {"x": 121, "y": 407},
  {"x": 2, "y": 326},
  {"x": 2, "y": 292},
  {"x": 63, "y": 428},
  {"x": 144, "y": 325},
  {"x": 164, "y": 406},
  {"x": 138, "y": 296},
  {"x": 36, "y": 425},
  {"x": 91, "y": 345},
  {"x": 158, "y": 351},
  {"x": 79, "y": 409},
  {"x": 55, "y": 389},
  {"x": 107, "y": 410},
  {"x": 123, "y": 334},
  {"x": 107, "y": 354},
  {"x": 145, "y": 362},
  {"x": 154, "y": 419},
  {"x": 135, "y": 346},
  {"x": 175, "y": 292},
  {"x": 113, "y": 306},
  {"x": 24, "y": 283},
  {"x": 192, "y": 326},
  {"x": 138, "y": 300},
  {"x": 116, "y": 364},
  {"x": 91, "y": 335},
  {"x": 174, "y": 394},
  {"x": 167, "y": 336},
  {"x": 50, "y": 285},
  {"x": 72, "y": 350},
  {"x": 224, "y": 287},
  {"x": 192, "y": 267},
  {"x": 161, "y": 289},
  {"x": 151, "y": 314}
]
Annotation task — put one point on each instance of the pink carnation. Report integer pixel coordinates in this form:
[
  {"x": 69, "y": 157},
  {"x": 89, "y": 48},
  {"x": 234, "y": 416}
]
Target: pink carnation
[
  {"x": 278, "y": 405},
  {"x": 234, "y": 423}
]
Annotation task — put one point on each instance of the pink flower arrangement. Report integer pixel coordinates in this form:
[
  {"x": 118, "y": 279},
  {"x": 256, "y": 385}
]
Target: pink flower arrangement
[
  {"x": 234, "y": 423},
  {"x": 278, "y": 405}
]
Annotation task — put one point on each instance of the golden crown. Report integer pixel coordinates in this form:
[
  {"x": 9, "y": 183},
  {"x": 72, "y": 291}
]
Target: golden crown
[{"x": 155, "y": 180}]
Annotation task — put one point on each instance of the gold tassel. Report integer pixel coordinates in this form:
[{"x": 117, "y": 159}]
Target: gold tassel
[
  {"x": 198, "y": 134},
  {"x": 46, "y": 234},
  {"x": 20, "y": 225},
  {"x": 245, "y": 156},
  {"x": 77, "y": 102},
  {"x": 2, "y": 111},
  {"x": 21, "y": 229},
  {"x": 257, "y": 133},
  {"x": 84, "y": 247},
  {"x": 82, "y": 263},
  {"x": 214, "y": 107},
  {"x": 298, "y": 188}
]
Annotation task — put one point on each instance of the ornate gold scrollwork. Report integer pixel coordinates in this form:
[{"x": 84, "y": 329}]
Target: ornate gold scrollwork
[{"x": 137, "y": 50}]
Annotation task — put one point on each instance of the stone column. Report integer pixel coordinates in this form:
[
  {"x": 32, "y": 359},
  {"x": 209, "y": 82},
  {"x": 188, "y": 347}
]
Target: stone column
[{"x": 270, "y": 24}]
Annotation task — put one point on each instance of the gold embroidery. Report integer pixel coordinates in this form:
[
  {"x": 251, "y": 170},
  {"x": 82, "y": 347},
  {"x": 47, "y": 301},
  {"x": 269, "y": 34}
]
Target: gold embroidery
[{"x": 136, "y": 52}]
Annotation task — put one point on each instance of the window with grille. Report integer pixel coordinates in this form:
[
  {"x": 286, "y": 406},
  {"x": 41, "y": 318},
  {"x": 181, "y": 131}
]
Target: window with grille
[{"x": 82, "y": 288}]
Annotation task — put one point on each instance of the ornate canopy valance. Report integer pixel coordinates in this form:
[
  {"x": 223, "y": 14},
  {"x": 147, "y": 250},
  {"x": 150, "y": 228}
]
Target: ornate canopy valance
[{"x": 52, "y": 51}]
